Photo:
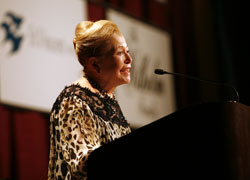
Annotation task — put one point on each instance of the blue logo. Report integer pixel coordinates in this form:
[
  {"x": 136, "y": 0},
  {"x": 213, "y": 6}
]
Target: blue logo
[{"x": 11, "y": 26}]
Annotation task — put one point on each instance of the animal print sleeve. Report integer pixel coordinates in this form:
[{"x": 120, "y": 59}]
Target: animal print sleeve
[{"x": 78, "y": 137}]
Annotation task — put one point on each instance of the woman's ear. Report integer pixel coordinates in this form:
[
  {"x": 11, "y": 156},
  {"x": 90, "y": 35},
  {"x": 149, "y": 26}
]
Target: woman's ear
[{"x": 95, "y": 65}]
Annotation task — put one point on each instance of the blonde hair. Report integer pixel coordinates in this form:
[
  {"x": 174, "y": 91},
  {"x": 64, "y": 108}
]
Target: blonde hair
[{"x": 91, "y": 38}]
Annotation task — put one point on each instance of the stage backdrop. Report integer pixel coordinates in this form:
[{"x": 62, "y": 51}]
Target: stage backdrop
[
  {"x": 37, "y": 58},
  {"x": 148, "y": 97}
]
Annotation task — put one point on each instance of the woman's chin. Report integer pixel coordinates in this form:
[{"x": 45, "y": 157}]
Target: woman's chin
[{"x": 125, "y": 81}]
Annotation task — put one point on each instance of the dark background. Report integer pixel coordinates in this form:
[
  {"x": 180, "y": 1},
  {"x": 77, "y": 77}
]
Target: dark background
[{"x": 209, "y": 42}]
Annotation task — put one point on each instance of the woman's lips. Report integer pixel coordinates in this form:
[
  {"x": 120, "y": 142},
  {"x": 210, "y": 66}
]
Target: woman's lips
[{"x": 126, "y": 70}]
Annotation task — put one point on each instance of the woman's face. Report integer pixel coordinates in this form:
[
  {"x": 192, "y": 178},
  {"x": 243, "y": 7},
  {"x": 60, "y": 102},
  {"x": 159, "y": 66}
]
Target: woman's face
[{"x": 115, "y": 67}]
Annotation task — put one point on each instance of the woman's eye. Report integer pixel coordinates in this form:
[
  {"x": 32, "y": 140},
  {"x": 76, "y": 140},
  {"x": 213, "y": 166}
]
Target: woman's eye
[{"x": 120, "y": 53}]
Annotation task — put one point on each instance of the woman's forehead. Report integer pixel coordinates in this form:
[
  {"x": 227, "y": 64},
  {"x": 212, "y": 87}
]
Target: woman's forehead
[
  {"x": 118, "y": 41},
  {"x": 114, "y": 43}
]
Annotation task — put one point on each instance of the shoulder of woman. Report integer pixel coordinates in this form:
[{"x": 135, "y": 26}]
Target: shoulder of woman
[{"x": 71, "y": 97}]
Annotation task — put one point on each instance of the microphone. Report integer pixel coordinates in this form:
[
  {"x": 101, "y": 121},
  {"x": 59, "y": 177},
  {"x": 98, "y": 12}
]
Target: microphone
[{"x": 162, "y": 72}]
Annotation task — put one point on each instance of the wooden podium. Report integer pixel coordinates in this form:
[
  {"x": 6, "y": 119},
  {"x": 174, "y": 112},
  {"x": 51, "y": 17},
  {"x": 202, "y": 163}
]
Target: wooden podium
[{"x": 207, "y": 141}]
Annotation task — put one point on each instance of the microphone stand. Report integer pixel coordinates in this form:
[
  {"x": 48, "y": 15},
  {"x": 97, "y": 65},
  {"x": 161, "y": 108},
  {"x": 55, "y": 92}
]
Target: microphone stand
[{"x": 162, "y": 72}]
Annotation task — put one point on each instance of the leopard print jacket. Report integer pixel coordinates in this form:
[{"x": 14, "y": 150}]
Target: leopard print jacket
[{"x": 80, "y": 122}]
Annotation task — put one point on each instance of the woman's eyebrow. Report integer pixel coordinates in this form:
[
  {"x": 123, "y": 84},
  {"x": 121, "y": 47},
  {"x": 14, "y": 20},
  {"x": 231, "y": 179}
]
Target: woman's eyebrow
[{"x": 121, "y": 46}]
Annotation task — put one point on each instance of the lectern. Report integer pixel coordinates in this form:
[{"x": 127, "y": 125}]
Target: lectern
[{"x": 207, "y": 141}]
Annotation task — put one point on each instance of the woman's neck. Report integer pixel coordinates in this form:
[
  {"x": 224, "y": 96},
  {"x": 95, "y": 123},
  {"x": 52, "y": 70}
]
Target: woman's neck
[{"x": 95, "y": 86}]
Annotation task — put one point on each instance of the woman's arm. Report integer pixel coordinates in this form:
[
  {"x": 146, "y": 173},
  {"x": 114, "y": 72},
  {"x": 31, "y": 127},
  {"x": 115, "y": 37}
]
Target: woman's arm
[{"x": 76, "y": 136}]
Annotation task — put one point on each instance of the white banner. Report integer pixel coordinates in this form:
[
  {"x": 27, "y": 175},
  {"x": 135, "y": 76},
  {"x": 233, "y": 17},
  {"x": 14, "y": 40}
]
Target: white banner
[
  {"x": 37, "y": 58},
  {"x": 148, "y": 97}
]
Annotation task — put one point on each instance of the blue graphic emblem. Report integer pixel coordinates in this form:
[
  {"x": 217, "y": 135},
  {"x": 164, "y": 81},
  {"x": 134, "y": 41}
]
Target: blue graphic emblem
[{"x": 11, "y": 27}]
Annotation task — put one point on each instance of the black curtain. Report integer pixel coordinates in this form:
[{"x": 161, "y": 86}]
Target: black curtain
[{"x": 231, "y": 45}]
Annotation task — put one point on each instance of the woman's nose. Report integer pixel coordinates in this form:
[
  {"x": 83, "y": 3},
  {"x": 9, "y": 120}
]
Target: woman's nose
[{"x": 128, "y": 59}]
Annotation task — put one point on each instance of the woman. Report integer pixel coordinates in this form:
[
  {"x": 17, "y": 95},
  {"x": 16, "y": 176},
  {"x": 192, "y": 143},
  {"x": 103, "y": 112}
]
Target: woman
[{"x": 86, "y": 115}]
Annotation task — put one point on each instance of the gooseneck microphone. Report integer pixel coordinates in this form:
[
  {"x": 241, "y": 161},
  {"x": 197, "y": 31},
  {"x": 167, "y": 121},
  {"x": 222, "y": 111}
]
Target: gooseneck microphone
[{"x": 162, "y": 72}]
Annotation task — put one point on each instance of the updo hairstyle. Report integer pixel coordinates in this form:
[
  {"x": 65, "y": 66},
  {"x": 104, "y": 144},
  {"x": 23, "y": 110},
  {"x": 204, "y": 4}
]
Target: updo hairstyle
[{"x": 91, "y": 38}]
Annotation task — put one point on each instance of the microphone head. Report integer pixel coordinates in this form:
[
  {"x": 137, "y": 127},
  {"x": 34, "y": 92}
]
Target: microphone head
[{"x": 160, "y": 71}]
